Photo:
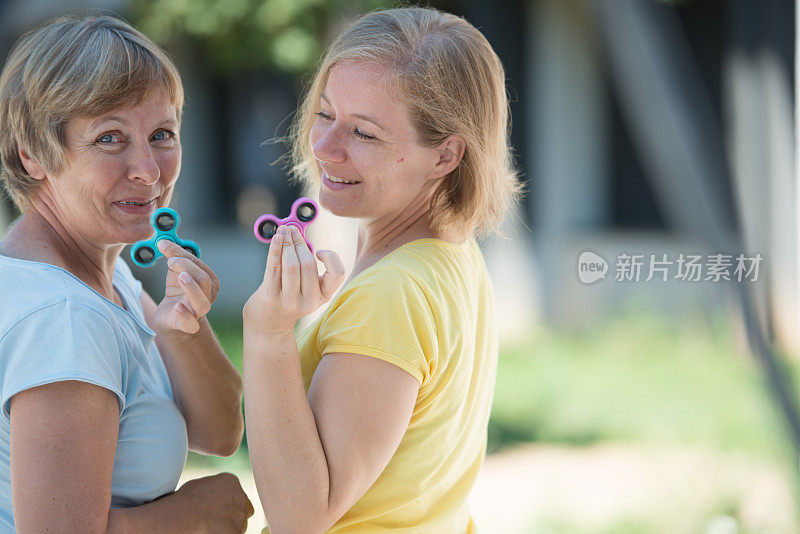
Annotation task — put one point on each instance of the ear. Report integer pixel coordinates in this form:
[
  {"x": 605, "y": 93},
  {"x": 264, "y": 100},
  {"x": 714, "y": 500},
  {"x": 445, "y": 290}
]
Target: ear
[
  {"x": 450, "y": 153},
  {"x": 32, "y": 167}
]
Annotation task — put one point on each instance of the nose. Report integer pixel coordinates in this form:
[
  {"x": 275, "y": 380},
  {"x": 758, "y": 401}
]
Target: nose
[
  {"x": 143, "y": 166},
  {"x": 328, "y": 146}
]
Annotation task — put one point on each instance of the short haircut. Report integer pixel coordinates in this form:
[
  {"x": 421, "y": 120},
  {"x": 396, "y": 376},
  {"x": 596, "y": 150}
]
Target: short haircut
[{"x": 68, "y": 68}]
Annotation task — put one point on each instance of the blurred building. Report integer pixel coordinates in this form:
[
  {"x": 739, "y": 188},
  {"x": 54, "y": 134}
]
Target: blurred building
[{"x": 641, "y": 127}]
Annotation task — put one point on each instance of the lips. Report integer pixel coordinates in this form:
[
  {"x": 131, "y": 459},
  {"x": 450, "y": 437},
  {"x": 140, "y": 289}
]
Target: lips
[
  {"x": 135, "y": 201},
  {"x": 136, "y": 205},
  {"x": 341, "y": 180},
  {"x": 336, "y": 183}
]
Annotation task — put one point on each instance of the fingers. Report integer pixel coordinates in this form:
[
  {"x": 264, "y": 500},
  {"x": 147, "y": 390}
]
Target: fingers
[
  {"x": 185, "y": 321},
  {"x": 249, "y": 510},
  {"x": 292, "y": 268},
  {"x": 209, "y": 285},
  {"x": 199, "y": 303},
  {"x": 242, "y": 501},
  {"x": 334, "y": 274},
  {"x": 290, "y": 264},
  {"x": 171, "y": 249},
  {"x": 272, "y": 273},
  {"x": 309, "y": 281}
]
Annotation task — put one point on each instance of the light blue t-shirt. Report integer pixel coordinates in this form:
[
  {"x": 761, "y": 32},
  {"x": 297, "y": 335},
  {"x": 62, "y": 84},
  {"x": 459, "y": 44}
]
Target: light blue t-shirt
[{"x": 54, "y": 327}]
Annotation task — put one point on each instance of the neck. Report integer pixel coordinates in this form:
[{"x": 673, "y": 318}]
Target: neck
[
  {"x": 40, "y": 235},
  {"x": 378, "y": 237}
]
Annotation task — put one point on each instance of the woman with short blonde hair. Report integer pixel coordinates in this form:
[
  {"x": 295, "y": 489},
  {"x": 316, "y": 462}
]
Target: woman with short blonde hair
[
  {"x": 374, "y": 418},
  {"x": 48, "y": 81},
  {"x": 102, "y": 391}
]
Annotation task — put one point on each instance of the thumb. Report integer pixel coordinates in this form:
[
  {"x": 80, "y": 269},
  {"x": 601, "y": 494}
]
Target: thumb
[{"x": 333, "y": 277}]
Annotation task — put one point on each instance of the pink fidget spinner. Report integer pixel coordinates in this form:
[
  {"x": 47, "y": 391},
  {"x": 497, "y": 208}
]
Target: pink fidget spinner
[{"x": 304, "y": 210}]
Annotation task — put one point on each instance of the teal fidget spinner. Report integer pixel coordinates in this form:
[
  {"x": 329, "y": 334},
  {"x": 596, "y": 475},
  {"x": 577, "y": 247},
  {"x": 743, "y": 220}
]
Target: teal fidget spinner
[{"x": 165, "y": 221}]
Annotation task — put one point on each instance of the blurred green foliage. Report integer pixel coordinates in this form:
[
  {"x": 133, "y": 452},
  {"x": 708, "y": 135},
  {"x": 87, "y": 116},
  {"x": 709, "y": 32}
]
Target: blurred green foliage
[
  {"x": 245, "y": 35},
  {"x": 636, "y": 378},
  {"x": 633, "y": 378}
]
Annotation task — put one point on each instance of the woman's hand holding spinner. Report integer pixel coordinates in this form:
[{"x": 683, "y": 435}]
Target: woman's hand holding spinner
[
  {"x": 292, "y": 287},
  {"x": 304, "y": 211},
  {"x": 191, "y": 287}
]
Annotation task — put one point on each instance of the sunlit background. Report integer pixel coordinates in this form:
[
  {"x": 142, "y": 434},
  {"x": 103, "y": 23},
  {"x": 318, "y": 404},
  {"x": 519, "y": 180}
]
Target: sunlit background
[{"x": 657, "y": 401}]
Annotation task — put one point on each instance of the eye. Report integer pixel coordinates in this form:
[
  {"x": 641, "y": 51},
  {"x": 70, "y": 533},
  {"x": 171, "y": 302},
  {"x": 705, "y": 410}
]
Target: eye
[
  {"x": 324, "y": 116},
  {"x": 163, "y": 135},
  {"x": 362, "y": 135},
  {"x": 109, "y": 138}
]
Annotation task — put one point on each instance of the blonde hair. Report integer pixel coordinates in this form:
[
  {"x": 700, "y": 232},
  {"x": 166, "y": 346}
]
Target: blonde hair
[
  {"x": 69, "y": 68},
  {"x": 453, "y": 83}
]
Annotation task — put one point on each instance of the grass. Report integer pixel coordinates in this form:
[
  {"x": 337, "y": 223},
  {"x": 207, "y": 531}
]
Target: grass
[
  {"x": 639, "y": 379},
  {"x": 631, "y": 378},
  {"x": 229, "y": 333}
]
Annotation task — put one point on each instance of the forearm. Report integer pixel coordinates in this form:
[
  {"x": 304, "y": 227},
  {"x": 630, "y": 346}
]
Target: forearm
[
  {"x": 209, "y": 389},
  {"x": 170, "y": 513},
  {"x": 286, "y": 452}
]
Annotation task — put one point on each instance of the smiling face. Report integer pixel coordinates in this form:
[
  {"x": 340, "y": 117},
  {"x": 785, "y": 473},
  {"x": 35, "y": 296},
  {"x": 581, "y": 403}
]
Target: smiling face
[
  {"x": 118, "y": 169},
  {"x": 367, "y": 148}
]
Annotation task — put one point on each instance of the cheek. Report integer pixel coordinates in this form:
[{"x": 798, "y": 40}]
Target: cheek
[
  {"x": 170, "y": 165},
  {"x": 314, "y": 134},
  {"x": 91, "y": 163},
  {"x": 90, "y": 176},
  {"x": 371, "y": 158},
  {"x": 415, "y": 160}
]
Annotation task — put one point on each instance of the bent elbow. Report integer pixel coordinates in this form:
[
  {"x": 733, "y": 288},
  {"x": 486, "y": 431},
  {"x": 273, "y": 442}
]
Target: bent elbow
[
  {"x": 229, "y": 443},
  {"x": 229, "y": 447},
  {"x": 222, "y": 442},
  {"x": 217, "y": 447}
]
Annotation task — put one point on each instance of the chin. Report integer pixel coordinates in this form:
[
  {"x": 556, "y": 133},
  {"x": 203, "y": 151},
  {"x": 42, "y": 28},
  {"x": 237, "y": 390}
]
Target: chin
[
  {"x": 338, "y": 208},
  {"x": 132, "y": 235}
]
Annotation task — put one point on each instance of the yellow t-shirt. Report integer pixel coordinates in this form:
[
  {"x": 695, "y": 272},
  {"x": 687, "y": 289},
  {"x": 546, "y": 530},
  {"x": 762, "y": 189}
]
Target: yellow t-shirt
[{"x": 426, "y": 307}]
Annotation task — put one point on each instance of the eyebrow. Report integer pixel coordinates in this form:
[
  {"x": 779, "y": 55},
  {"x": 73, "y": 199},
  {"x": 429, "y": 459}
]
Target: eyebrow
[
  {"x": 97, "y": 122},
  {"x": 356, "y": 115},
  {"x": 101, "y": 120}
]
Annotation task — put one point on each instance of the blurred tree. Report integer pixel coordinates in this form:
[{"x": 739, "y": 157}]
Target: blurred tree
[{"x": 243, "y": 35}]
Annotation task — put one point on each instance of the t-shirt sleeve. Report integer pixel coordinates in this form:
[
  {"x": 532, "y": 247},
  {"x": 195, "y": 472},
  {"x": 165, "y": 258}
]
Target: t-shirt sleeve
[
  {"x": 388, "y": 317},
  {"x": 64, "y": 341}
]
